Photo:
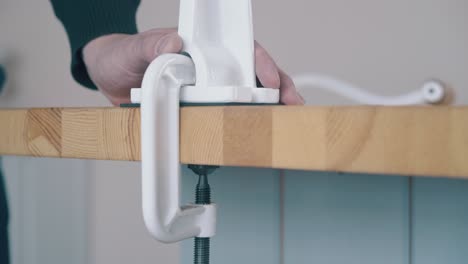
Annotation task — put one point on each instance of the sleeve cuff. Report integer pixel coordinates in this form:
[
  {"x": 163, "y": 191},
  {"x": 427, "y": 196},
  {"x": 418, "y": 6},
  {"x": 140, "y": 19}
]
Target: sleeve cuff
[{"x": 86, "y": 20}]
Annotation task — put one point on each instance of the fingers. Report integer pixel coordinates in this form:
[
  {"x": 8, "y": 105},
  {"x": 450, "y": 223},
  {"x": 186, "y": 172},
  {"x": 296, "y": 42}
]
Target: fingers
[
  {"x": 288, "y": 92},
  {"x": 272, "y": 77},
  {"x": 265, "y": 68}
]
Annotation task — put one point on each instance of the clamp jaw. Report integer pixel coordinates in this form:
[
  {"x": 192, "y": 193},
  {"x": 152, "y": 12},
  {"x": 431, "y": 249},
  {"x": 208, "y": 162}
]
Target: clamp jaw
[{"x": 218, "y": 37}]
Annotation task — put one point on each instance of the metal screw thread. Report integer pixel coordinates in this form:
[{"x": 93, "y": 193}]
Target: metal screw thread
[
  {"x": 203, "y": 192},
  {"x": 201, "y": 253}
]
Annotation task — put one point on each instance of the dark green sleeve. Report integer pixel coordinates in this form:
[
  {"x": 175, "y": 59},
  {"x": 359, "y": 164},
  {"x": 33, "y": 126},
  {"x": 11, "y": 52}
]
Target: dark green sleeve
[
  {"x": 4, "y": 248},
  {"x": 85, "y": 20}
]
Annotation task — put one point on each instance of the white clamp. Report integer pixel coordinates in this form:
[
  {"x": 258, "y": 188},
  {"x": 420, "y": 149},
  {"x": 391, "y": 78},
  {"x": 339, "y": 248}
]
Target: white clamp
[
  {"x": 218, "y": 37},
  {"x": 165, "y": 219}
]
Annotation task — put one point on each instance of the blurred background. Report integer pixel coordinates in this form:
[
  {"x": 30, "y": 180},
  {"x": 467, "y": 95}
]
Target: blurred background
[{"x": 76, "y": 211}]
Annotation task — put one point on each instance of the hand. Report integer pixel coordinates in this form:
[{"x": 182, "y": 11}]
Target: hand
[{"x": 117, "y": 62}]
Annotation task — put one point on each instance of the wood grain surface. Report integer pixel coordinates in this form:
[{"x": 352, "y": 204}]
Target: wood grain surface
[{"x": 430, "y": 141}]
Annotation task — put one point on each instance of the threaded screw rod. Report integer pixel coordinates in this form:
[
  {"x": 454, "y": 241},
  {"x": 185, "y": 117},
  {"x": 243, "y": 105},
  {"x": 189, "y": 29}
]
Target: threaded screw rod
[{"x": 201, "y": 252}]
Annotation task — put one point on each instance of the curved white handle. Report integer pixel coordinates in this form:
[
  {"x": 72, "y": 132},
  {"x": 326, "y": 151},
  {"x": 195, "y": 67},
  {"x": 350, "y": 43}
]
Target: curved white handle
[
  {"x": 163, "y": 216},
  {"x": 432, "y": 92}
]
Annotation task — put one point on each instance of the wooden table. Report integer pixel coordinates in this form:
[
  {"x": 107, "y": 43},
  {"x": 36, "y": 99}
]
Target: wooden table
[{"x": 426, "y": 141}]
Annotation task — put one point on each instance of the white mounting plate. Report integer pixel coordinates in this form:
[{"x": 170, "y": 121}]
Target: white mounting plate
[{"x": 227, "y": 94}]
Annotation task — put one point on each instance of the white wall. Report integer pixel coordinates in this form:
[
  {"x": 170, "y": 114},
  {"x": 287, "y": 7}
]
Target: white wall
[{"x": 387, "y": 46}]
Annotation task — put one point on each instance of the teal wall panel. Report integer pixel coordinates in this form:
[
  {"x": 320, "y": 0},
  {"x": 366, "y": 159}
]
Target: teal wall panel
[
  {"x": 439, "y": 221},
  {"x": 334, "y": 218},
  {"x": 248, "y": 215},
  {"x": 341, "y": 218}
]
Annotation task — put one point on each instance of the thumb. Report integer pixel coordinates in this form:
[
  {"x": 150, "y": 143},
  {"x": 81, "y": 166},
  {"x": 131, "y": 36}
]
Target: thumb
[
  {"x": 136, "y": 52},
  {"x": 158, "y": 45}
]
